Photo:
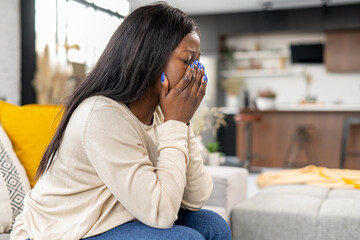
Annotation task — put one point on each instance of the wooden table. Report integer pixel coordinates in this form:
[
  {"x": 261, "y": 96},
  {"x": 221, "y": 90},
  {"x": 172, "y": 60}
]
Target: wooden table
[{"x": 273, "y": 134}]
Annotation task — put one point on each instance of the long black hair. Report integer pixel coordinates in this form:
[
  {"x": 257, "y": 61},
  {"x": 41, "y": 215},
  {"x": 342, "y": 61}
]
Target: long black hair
[{"x": 133, "y": 59}]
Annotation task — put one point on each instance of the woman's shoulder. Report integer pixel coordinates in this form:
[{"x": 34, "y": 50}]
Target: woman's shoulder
[
  {"x": 106, "y": 116},
  {"x": 98, "y": 105},
  {"x": 103, "y": 103}
]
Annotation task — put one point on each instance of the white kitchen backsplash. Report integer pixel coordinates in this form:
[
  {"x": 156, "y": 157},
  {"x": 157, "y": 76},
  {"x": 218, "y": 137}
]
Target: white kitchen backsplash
[{"x": 327, "y": 87}]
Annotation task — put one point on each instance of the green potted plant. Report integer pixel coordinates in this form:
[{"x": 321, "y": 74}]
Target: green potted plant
[
  {"x": 207, "y": 120},
  {"x": 215, "y": 157}
]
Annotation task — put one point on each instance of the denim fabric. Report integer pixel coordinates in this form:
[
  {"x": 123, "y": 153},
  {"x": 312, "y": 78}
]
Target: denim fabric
[{"x": 194, "y": 225}]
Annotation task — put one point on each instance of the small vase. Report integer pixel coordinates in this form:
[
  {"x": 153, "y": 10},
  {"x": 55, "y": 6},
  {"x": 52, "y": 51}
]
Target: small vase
[
  {"x": 264, "y": 103},
  {"x": 214, "y": 159},
  {"x": 231, "y": 100}
]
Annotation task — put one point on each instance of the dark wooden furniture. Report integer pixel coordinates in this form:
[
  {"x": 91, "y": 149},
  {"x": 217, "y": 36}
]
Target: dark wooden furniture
[
  {"x": 348, "y": 123},
  {"x": 272, "y": 137},
  {"x": 301, "y": 140},
  {"x": 226, "y": 136},
  {"x": 342, "y": 52},
  {"x": 247, "y": 119}
]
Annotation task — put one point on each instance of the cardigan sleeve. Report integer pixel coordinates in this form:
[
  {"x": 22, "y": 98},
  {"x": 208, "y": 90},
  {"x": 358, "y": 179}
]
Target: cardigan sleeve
[
  {"x": 118, "y": 155},
  {"x": 199, "y": 182}
]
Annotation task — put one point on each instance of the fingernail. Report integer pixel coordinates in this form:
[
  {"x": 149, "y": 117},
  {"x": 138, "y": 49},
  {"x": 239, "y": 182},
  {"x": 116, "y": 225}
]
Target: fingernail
[
  {"x": 163, "y": 78},
  {"x": 196, "y": 62},
  {"x": 201, "y": 66},
  {"x": 205, "y": 77},
  {"x": 192, "y": 66}
]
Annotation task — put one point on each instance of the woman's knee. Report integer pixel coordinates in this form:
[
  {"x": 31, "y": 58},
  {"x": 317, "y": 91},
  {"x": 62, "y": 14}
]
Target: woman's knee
[
  {"x": 138, "y": 230},
  {"x": 218, "y": 227},
  {"x": 182, "y": 232},
  {"x": 210, "y": 224}
]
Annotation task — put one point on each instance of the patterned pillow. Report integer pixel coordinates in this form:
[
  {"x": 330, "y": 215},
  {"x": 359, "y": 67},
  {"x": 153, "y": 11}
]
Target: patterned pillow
[{"x": 14, "y": 184}]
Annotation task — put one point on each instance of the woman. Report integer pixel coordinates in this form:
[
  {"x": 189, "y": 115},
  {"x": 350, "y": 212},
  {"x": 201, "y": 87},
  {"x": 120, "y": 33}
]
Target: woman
[{"x": 124, "y": 163}]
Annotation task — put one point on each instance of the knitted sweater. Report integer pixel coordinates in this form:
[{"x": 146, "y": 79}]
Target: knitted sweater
[{"x": 111, "y": 169}]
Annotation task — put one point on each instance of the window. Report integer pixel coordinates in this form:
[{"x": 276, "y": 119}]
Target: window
[{"x": 77, "y": 30}]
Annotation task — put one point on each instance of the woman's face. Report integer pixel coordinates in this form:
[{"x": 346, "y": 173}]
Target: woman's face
[{"x": 184, "y": 54}]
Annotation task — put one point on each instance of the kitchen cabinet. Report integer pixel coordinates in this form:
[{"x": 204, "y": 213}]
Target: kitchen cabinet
[
  {"x": 342, "y": 52},
  {"x": 273, "y": 134}
]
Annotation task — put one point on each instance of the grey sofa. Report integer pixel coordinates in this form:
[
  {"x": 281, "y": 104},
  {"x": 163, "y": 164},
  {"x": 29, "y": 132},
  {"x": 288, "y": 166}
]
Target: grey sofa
[
  {"x": 4, "y": 236},
  {"x": 298, "y": 212},
  {"x": 230, "y": 188}
]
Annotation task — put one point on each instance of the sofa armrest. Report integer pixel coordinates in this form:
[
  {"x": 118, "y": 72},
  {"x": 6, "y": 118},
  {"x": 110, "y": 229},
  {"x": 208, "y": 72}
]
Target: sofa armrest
[
  {"x": 230, "y": 187},
  {"x": 4, "y": 236}
]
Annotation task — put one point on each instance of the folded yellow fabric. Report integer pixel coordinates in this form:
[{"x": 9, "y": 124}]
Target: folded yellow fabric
[
  {"x": 312, "y": 175},
  {"x": 30, "y": 129}
]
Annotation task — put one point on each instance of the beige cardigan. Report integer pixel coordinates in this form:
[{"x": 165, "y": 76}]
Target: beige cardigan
[{"x": 111, "y": 169}]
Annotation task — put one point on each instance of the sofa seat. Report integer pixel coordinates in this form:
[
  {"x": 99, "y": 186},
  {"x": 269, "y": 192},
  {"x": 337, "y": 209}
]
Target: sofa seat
[{"x": 298, "y": 212}]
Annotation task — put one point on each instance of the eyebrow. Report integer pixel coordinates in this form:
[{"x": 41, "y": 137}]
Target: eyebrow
[{"x": 187, "y": 50}]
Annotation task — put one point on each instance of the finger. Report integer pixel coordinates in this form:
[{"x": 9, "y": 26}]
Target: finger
[
  {"x": 164, "y": 86},
  {"x": 202, "y": 89},
  {"x": 196, "y": 69},
  {"x": 197, "y": 82},
  {"x": 186, "y": 79}
]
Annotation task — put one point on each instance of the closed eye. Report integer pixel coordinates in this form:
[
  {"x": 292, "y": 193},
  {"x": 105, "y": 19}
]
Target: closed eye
[{"x": 187, "y": 63}]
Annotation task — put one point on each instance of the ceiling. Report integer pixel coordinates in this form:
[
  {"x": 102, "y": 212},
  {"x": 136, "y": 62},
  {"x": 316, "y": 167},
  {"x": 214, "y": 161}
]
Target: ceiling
[{"x": 200, "y": 7}]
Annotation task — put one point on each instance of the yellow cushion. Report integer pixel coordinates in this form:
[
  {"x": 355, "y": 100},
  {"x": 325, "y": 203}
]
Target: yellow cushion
[{"x": 30, "y": 129}]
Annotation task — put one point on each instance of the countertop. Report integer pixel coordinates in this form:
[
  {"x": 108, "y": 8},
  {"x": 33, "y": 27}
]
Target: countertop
[{"x": 321, "y": 108}]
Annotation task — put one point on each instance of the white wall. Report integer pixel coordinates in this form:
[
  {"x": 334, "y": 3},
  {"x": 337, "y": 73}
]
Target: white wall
[
  {"x": 327, "y": 87},
  {"x": 210, "y": 63},
  {"x": 10, "y": 51}
]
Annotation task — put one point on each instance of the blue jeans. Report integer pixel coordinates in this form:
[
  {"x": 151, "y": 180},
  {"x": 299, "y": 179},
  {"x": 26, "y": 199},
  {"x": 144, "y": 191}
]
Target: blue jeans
[{"x": 194, "y": 225}]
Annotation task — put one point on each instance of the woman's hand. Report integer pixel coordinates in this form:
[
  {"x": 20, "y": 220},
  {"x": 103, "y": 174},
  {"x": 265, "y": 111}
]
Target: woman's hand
[{"x": 181, "y": 102}]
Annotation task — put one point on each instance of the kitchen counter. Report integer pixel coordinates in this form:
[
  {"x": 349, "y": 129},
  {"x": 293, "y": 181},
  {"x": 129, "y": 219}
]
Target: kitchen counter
[
  {"x": 310, "y": 108},
  {"x": 320, "y": 108},
  {"x": 274, "y": 133}
]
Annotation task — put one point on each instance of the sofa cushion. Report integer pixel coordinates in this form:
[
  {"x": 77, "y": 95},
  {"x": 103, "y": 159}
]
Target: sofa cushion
[
  {"x": 13, "y": 184},
  {"x": 275, "y": 216},
  {"x": 30, "y": 129},
  {"x": 297, "y": 189},
  {"x": 298, "y": 212},
  {"x": 345, "y": 193},
  {"x": 339, "y": 215}
]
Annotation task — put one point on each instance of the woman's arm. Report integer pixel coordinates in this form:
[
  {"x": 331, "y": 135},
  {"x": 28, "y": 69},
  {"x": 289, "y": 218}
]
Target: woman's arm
[
  {"x": 199, "y": 183},
  {"x": 187, "y": 96},
  {"x": 115, "y": 149}
]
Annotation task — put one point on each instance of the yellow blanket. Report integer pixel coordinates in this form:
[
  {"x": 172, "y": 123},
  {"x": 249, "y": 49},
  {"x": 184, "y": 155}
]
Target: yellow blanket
[{"x": 312, "y": 175}]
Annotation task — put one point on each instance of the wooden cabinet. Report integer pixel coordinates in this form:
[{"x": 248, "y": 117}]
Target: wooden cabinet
[
  {"x": 273, "y": 135},
  {"x": 342, "y": 52}
]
